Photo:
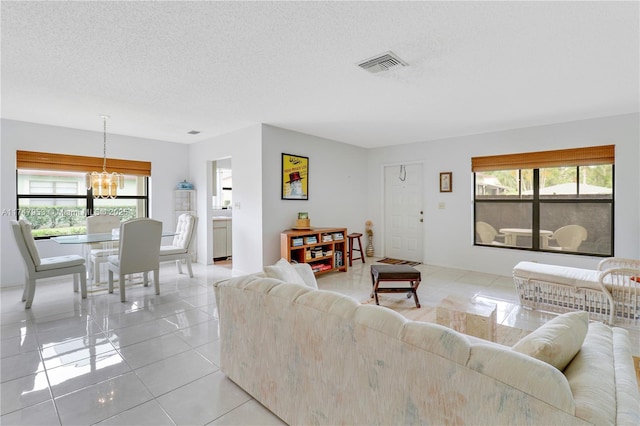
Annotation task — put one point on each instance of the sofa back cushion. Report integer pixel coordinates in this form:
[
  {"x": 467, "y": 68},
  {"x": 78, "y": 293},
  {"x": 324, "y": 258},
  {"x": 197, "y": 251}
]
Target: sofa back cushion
[
  {"x": 283, "y": 270},
  {"x": 557, "y": 341}
]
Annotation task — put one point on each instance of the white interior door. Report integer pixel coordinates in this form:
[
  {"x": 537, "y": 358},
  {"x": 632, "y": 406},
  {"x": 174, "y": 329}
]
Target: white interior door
[{"x": 403, "y": 212}]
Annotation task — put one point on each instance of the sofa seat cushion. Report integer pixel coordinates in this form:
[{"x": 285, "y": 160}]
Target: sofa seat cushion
[
  {"x": 166, "y": 250},
  {"x": 576, "y": 277},
  {"x": 56, "y": 262},
  {"x": 557, "y": 341}
]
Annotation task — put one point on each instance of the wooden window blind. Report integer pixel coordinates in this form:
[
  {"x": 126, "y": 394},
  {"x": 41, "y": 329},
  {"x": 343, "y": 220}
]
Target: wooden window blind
[
  {"x": 31, "y": 160},
  {"x": 587, "y": 156}
]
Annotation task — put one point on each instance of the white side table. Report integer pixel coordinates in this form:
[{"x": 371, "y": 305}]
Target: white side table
[{"x": 472, "y": 317}]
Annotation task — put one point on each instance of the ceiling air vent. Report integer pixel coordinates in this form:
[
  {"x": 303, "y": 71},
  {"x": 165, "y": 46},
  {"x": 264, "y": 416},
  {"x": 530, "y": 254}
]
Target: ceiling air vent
[{"x": 384, "y": 62}]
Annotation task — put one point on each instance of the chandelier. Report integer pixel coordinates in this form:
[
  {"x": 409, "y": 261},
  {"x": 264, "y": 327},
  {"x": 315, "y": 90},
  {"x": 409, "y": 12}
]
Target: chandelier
[{"x": 105, "y": 185}]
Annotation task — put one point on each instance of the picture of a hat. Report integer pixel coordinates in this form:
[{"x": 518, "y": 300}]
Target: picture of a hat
[{"x": 294, "y": 176}]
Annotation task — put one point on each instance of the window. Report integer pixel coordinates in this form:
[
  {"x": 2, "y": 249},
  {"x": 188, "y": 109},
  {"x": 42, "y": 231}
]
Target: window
[
  {"x": 555, "y": 201},
  {"x": 52, "y": 192}
]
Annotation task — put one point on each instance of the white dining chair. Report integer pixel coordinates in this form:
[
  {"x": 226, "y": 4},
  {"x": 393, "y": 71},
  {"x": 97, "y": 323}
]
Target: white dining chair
[
  {"x": 139, "y": 251},
  {"x": 568, "y": 237},
  {"x": 181, "y": 248},
  {"x": 37, "y": 267},
  {"x": 99, "y": 252}
]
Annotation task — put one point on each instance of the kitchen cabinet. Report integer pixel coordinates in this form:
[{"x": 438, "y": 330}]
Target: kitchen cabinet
[{"x": 222, "y": 246}]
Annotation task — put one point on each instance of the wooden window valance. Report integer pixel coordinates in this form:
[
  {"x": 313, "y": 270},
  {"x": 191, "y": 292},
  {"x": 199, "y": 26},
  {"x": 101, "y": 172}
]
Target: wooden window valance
[
  {"x": 31, "y": 160},
  {"x": 587, "y": 156}
]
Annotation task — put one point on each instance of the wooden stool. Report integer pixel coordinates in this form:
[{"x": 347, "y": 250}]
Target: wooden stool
[
  {"x": 352, "y": 238},
  {"x": 381, "y": 273}
]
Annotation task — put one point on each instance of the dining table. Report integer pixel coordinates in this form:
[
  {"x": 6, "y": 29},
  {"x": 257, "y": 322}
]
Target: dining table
[
  {"x": 95, "y": 238},
  {"x": 511, "y": 235},
  {"x": 106, "y": 239}
]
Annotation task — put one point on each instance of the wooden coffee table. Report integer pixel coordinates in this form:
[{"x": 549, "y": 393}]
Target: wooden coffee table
[{"x": 395, "y": 273}]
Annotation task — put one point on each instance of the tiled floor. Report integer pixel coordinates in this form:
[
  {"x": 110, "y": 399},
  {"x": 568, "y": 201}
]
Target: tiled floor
[{"x": 154, "y": 359}]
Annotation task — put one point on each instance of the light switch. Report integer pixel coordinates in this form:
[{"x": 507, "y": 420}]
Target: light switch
[
  {"x": 441, "y": 206},
  {"x": 236, "y": 205}
]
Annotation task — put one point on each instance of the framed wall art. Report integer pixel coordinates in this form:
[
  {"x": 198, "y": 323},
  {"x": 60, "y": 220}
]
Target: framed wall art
[
  {"x": 446, "y": 182},
  {"x": 295, "y": 177}
]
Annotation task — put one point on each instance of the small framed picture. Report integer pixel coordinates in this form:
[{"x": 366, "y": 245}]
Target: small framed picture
[{"x": 445, "y": 182}]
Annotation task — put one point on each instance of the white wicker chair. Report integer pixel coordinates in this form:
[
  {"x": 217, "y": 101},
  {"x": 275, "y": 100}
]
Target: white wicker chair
[
  {"x": 624, "y": 286},
  {"x": 618, "y": 262}
]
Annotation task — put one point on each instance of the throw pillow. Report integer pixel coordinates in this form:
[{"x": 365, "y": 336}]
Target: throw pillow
[
  {"x": 283, "y": 270},
  {"x": 25, "y": 227},
  {"x": 557, "y": 341}
]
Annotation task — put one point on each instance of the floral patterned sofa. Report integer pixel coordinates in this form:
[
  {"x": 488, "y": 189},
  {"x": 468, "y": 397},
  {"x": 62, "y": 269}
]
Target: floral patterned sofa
[{"x": 319, "y": 357}]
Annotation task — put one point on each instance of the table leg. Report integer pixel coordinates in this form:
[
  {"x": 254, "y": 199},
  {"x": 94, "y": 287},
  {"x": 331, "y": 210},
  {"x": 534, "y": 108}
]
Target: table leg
[
  {"x": 544, "y": 241},
  {"x": 414, "y": 285}
]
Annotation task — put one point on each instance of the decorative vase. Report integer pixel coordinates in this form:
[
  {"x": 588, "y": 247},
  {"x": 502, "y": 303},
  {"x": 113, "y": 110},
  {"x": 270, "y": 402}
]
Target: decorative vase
[{"x": 369, "y": 250}]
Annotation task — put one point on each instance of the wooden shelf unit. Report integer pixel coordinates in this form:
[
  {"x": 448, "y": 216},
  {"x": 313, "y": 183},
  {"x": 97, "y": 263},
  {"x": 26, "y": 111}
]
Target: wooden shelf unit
[{"x": 322, "y": 256}]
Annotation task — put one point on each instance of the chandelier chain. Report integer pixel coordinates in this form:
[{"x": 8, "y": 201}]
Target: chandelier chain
[
  {"x": 104, "y": 147},
  {"x": 105, "y": 185}
]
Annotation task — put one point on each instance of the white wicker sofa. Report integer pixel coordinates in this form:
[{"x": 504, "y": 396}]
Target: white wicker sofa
[
  {"x": 319, "y": 357},
  {"x": 611, "y": 293}
]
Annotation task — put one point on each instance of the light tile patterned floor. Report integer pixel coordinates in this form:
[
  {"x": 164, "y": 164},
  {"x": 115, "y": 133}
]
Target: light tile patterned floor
[{"x": 154, "y": 359}]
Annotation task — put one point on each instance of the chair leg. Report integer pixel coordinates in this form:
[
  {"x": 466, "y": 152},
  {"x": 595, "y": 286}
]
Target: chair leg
[
  {"x": 75, "y": 283},
  {"x": 189, "y": 268},
  {"x": 145, "y": 278},
  {"x": 31, "y": 290},
  {"x": 179, "y": 265},
  {"x": 156, "y": 279},
  {"x": 83, "y": 284},
  {"x": 122, "y": 295},
  {"x": 110, "y": 281},
  {"x": 26, "y": 288},
  {"x": 96, "y": 272}
]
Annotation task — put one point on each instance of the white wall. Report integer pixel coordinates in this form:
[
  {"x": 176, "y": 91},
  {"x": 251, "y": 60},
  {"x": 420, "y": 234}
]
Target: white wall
[
  {"x": 346, "y": 186},
  {"x": 337, "y": 191},
  {"x": 244, "y": 148},
  {"x": 337, "y": 185},
  {"x": 448, "y": 233},
  {"x": 169, "y": 165}
]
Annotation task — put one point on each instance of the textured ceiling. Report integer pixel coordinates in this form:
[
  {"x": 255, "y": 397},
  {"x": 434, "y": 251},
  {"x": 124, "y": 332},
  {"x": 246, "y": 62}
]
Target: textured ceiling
[{"x": 161, "y": 69}]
